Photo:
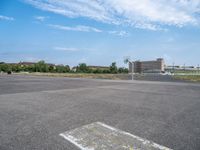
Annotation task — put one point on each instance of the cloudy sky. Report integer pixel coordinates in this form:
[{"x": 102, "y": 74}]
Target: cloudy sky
[{"x": 99, "y": 32}]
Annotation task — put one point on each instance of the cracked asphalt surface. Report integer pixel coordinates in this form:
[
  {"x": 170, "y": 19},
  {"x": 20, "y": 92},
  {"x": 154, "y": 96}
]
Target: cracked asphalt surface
[{"x": 35, "y": 110}]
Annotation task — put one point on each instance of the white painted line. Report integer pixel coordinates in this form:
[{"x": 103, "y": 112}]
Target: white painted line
[
  {"x": 136, "y": 137},
  {"x": 101, "y": 136},
  {"x": 73, "y": 141}
]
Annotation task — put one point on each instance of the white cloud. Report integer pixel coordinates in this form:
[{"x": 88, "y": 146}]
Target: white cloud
[
  {"x": 82, "y": 28},
  {"x": 66, "y": 49},
  {"x": 72, "y": 49},
  {"x": 6, "y": 18},
  {"x": 76, "y": 28},
  {"x": 74, "y": 8},
  {"x": 41, "y": 18},
  {"x": 119, "y": 33},
  {"x": 145, "y": 14}
]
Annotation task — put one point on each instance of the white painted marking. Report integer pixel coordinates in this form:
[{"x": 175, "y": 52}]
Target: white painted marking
[
  {"x": 136, "y": 137},
  {"x": 73, "y": 140},
  {"x": 88, "y": 138}
]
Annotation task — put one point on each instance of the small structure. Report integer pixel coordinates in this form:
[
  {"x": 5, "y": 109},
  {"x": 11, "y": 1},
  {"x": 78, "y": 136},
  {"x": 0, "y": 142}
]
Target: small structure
[{"x": 152, "y": 66}]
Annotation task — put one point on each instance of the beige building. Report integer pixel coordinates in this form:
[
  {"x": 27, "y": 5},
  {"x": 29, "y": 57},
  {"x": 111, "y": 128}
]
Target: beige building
[{"x": 147, "y": 66}]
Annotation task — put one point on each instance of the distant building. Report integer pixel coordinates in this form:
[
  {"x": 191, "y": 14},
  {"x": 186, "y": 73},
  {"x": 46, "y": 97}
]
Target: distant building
[{"x": 148, "y": 66}]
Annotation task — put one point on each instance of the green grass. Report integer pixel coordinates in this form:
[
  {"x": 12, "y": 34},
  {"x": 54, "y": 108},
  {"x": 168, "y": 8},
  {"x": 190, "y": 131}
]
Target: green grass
[
  {"x": 187, "y": 71},
  {"x": 195, "y": 78}
]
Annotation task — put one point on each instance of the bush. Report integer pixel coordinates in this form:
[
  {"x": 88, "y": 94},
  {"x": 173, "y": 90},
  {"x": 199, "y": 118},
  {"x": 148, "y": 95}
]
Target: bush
[
  {"x": 113, "y": 68},
  {"x": 97, "y": 71},
  {"x": 122, "y": 70},
  {"x": 83, "y": 68}
]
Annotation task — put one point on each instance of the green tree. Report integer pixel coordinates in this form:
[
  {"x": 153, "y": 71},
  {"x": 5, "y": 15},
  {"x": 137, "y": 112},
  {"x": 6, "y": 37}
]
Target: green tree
[
  {"x": 15, "y": 68},
  {"x": 60, "y": 69},
  {"x": 122, "y": 70},
  {"x": 5, "y": 67},
  {"x": 113, "y": 67},
  {"x": 97, "y": 71},
  {"x": 106, "y": 71},
  {"x": 82, "y": 68},
  {"x": 67, "y": 68},
  {"x": 41, "y": 66},
  {"x": 52, "y": 69},
  {"x": 29, "y": 68}
]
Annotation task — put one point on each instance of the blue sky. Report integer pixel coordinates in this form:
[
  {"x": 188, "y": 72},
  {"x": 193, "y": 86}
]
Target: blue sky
[{"x": 98, "y": 32}]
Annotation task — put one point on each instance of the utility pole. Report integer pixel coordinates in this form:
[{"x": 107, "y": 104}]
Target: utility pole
[
  {"x": 184, "y": 68},
  {"x": 132, "y": 64},
  {"x": 127, "y": 60}
]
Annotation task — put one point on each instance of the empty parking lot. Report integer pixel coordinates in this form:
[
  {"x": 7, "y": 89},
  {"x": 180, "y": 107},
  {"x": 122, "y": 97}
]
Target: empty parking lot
[{"x": 35, "y": 110}]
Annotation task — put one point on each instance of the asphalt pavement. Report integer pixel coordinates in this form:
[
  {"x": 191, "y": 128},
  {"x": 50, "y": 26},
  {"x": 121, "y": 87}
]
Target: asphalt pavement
[{"x": 35, "y": 110}]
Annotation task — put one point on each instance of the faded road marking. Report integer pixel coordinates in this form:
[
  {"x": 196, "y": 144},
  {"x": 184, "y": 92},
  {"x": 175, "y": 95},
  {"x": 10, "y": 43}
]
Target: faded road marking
[{"x": 98, "y": 136}]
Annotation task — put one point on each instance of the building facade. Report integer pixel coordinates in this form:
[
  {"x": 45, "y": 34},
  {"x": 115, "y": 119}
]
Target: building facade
[{"x": 153, "y": 66}]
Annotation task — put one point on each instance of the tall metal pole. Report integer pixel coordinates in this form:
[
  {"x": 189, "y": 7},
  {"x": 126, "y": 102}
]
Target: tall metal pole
[
  {"x": 184, "y": 69},
  {"x": 132, "y": 69}
]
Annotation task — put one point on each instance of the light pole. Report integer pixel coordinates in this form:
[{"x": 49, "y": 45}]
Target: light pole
[
  {"x": 127, "y": 60},
  {"x": 184, "y": 68},
  {"x": 132, "y": 64}
]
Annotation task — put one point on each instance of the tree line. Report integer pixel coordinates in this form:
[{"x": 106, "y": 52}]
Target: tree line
[
  {"x": 41, "y": 66},
  {"x": 83, "y": 68}
]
